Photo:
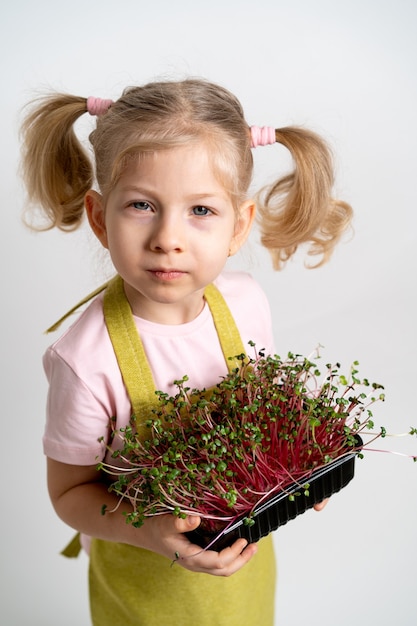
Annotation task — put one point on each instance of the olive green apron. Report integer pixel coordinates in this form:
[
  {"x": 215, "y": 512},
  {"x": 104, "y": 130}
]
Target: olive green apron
[{"x": 135, "y": 587}]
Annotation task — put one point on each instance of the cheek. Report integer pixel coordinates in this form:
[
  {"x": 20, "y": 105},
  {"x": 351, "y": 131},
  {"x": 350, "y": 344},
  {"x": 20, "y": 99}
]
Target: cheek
[
  {"x": 119, "y": 243},
  {"x": 119, "y": 233}
]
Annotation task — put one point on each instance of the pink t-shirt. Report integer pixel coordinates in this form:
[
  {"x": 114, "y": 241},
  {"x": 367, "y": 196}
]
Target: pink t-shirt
[{"x": 85, "y": 384}]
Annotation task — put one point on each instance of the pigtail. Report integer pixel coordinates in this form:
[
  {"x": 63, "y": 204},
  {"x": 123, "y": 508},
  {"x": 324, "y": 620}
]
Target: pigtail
[
  {"x": 299, "y": 208},
  {"x": 55, "y": 167}
]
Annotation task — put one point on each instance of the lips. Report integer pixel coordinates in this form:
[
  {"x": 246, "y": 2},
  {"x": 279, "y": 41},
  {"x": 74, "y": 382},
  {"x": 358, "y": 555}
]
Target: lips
[{"x": 166, "y": 274}]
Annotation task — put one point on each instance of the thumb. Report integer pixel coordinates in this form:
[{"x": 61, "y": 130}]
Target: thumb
[{"x": 184, "y": 525}]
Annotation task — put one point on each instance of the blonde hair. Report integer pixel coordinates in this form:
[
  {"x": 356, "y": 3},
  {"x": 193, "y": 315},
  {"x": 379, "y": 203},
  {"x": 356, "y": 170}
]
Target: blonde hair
[{"x": 298, "y": 208}]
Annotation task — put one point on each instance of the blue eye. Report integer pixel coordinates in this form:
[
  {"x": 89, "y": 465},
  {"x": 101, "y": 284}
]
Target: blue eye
[
  {"x": 201, "y": 211},
  {"x": 142, "y": 205}
]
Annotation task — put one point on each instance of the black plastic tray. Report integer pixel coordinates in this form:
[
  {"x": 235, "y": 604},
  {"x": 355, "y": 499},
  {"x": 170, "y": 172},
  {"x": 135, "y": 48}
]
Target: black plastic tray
[{"x": 285, "y": 505}]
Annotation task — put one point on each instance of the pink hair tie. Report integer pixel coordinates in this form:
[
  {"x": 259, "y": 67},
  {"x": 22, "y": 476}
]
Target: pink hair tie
[
  {"x": 262, "y": 136},
  {"x": 98, "y": 106}
]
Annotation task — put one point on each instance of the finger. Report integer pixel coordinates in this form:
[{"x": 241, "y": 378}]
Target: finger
[
  {"x": 230, "y": 560},
  {"x": 320, "y": 506},
  {"x": 186, "y": 524},
  {"x": 224, "y": 563}
]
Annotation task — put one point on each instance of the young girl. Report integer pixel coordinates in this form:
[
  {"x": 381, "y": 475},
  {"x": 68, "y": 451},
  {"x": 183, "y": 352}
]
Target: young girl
[{"x": 169, "y": 199}]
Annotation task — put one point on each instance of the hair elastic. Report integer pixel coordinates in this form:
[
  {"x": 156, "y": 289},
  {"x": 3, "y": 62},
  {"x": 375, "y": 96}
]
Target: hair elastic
[
  {"x": 262, "y": 136},
  {"x": 98, "y": 106}
]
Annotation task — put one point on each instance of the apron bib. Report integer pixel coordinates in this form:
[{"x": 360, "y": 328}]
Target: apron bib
[{"x": 131, "y": 586}]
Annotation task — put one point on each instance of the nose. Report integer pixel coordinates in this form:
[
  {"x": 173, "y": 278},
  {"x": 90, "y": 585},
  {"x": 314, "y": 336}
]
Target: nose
[{"x": 168, "y": 234}]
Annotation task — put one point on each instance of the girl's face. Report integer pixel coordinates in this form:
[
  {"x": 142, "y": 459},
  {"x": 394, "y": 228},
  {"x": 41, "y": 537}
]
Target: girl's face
[{"x": 169, "y": 226}]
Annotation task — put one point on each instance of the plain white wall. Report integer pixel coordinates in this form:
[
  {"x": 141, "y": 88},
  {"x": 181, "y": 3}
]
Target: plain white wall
[{"x": 346, "y": 69}]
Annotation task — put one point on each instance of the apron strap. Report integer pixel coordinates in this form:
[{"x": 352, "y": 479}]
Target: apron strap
[
  {"x": 227, "y": 330},
  {"x": 129, "y": 351},
  {"x": 73, "y": 549}
]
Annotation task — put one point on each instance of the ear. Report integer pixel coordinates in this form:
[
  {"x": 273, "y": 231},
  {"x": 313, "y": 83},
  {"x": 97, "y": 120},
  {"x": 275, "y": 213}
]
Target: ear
[
  {"x": 244, "y": 221},
  {"x": 94, "y": 207}
]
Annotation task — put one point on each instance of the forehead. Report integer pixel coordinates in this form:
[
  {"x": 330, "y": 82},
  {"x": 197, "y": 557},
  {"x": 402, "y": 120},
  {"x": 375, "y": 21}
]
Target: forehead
[{"x": 194, "y": 162}]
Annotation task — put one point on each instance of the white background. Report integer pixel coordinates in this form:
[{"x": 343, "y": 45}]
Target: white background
[{"x": 345, "y": 69}]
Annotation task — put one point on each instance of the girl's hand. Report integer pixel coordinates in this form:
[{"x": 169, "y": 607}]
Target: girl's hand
[{"x": 166, "y": 536}]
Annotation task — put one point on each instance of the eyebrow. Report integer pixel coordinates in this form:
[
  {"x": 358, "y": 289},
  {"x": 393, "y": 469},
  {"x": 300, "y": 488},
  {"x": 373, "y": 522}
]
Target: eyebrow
[{"x": 151, "y": 192}]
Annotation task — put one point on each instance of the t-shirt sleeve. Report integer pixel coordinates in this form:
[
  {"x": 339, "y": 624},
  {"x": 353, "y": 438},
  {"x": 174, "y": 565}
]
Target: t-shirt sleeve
[{"x": 76, "y": 420}]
